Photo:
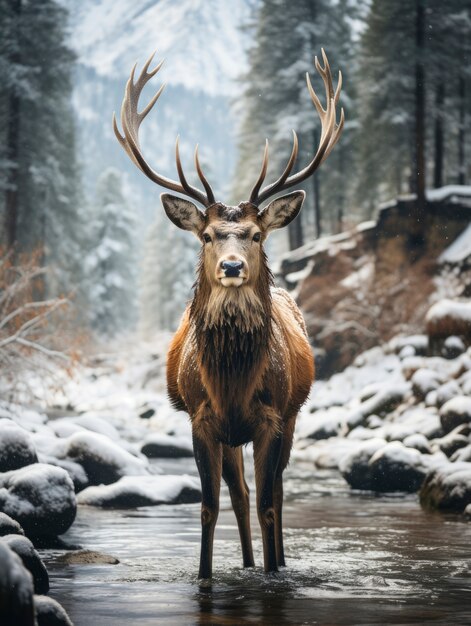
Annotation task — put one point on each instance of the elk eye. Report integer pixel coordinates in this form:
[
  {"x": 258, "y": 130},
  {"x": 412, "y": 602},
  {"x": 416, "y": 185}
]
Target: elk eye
[
  {"x": 257, "y": 236},
  {"x": 206, "y": 238}
]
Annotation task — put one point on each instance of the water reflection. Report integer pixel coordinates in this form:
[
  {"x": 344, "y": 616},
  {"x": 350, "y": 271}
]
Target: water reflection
[{"x": 353, "y": 558}]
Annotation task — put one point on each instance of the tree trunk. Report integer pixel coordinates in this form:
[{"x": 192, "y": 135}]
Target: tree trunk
[
  {"x": 439, "y": 133},
  {"x": 341, "y": 192},
  {"x": 461, "y": 132},
  {"x": 295, "y": 233},
  {"x": 417, "y": 232},
  {"x": 13, "y": 135}
]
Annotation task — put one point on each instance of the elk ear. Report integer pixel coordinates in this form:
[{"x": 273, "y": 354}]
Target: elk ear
[
  {"x": 183, "y": 213},
  {"x": 281, "y": 211}
]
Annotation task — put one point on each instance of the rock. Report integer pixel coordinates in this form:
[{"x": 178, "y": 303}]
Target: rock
[
  {"x": 132, "y": 492},
  {"x": 16, "y": 446},
  {"x": 75, "y": 470},
  {"x": 98, "y": 425},
  {"x": 50, "y": 613},
  {"x": 447, "y": 487},
  {"x": 87, "y": 557},
  {"x": 462, "y": 454},
  {"x": 446, "y": 392},
  {"x": 147, "y": 414},
  {"x": 103, "y": 460},
  {"x": 9, "y": 526},
  {"x": 382, "y": 403},
  {"x": 166, "y": 447},
  {"x": 419, "y": 442},
  {"x": 40, "y": 497},
  {"x": 418, "y": 343},
  {"x": 451, "y": 442},
  {"x": 467, "y": 511},
  {"x": 424, "y": 381},
  {"x": 23, "y": 547},
  {"x": 16, "y": 590},
  {"x": 452, "y": 347},
  {"x": 397, "y": 468},
  {"x": 455, "y": 412},
  {"x": 321, "y": 424},
  {"x": 354, "y": 466}
]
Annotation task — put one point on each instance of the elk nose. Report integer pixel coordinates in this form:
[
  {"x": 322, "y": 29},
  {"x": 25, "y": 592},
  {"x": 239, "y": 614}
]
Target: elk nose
[{"x": 232, "y": 268}]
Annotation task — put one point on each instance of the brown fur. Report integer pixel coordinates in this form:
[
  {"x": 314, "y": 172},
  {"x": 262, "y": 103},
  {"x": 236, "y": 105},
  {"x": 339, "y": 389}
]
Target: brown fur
[{"x": 240, "y": 364}]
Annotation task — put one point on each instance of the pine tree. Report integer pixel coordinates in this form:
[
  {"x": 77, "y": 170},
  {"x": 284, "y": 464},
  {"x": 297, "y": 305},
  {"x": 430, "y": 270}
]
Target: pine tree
[
  {"x": 287, "y": 37},
  {"x": 38, "y": 172},
  {"x": 111, "y": 263}
]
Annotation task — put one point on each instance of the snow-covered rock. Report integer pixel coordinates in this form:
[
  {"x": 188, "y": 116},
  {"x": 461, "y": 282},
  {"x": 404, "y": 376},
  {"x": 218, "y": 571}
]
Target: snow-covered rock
[
  {"x": 455, "y": 412},
  {"x": 453, "y": 347},
  {"x": 16, "y": 446},
  {"x": 49, "y": 612},
  {"x": 397, "y": 468},
  {"x": 453, "y": 441},
  {"x": 9, "y": 526},
  {"x": 131, "y": 492},
  {"x": 322, "y": 424},
  {"x": 446, "y": 392},
  {"x": 40, "y": 497},
  {"x": 103, "y": 460},
  {"x": 23, "y": 547},
  {"x": 448, "y": 318},
  {"x": 75, "y": 470},
  {"x": 424, "y": 381},
  {"x": 418, "y": 343},
  {"x": 157, "y": 445},
  {"x": 447, "y": 487},
  {"x": 355, "y": 466},
  {"x": 380, "y": 404},
  {"x": 16, "y": 590},
  {"x": 462, "y": 454},
  {"x": 419, "y": 442}
]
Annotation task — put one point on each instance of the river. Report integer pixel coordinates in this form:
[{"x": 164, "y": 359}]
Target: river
[{"x": 352, "y": 558}]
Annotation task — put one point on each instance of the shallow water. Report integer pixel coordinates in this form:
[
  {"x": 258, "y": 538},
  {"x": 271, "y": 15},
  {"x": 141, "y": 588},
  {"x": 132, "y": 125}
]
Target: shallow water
[{"x": 352, "y": 558}]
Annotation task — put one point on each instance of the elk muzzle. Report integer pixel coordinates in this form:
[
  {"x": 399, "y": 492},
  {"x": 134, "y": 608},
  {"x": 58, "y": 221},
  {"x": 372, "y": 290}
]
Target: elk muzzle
[{"x": 232, "y": 272}]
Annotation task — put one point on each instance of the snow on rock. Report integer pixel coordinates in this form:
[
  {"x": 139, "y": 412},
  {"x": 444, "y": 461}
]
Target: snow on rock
[
  {"x": 446, "y": 392},
  {"x": 130, "y": 492},
  {"x": 23, "y": 547},
  {"x": 322, "y": 424},
  {"x": 411, "y": 421},
  {"x": 16, "y": 446},
  {"x": 459, "y": 250},
  {"x": 383, "y": 402},
  {"x": 326, "y": 453},
  {"x": 447, "y": 318},
  {"x": 103, "y": 460},
  {"x": 447, "y": 192},
  {"x": 418, "y": 343},
  {"x": 40, "y": 497},
  {"x": 75, "y": 470},
  {"x": 354, "y": 466},
  {"x": 424, "y": 381},
  {"x": 158, "y": 445},
  {"x": 452, "y": 347},
  {"x": 447, "y": 487},
  {"x": 455, "y": 412},
  {"x": 50, "y": 613},
  {"x": 462, "y": 454},
  {"x": 452, "y": 441},
  {"x": 419, "y": 442},
  {"x": 16, "y": 590},
  {"x": 397, "y": 468},
  {"x": 9, "y": 526}
]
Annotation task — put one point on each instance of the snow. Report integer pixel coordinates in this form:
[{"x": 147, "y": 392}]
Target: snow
[
  {"x": 460, "y": 405},
  {"x": 143, "y": 491},
  {"x": 16, "y": 446},
  {"x": 15, "y": 580},
  {"x": 447, "y": 192},
  {"x": 454, "y": 309},
  {"x": 459, "y": 250},
  {"x": 360, "y": 277},
  {"x": 49, "y": 611}
]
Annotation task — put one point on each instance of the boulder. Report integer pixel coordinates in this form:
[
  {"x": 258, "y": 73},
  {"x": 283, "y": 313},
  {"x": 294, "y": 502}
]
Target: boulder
[
  {"x": 446, "y": 392},
  {"x": 40, "y": 497},
  {"x": 455, "y": 412},
  {"x": 16, "y": 446},
  {"x": 463, "y": 454},
  {"x": 50, "y": 613},
  {"x": 162, "y": 446},
  {"x": 396, "y": 468},
  {"x": 135, "y": 491},
  {"x": 424, "y": 381},
  {"x": 75, "y": 470},
  {"x": 16, "y": 590},
  {"x": 382, "y": 403},
  {"x": 419, "y": 442},
  {"x": 447, "y": 487},
  {"x": 354, "y": 466},
  {"x": 23, "y": 547},
  {"x": 453, "y": 441},
  {"x": 103, "y": 460},
  {"x": 9, "y": 526},
  {"x": 453, "y": 347}
]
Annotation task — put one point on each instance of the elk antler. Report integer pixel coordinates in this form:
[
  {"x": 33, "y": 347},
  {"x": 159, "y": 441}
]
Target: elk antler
[
  {"x": 131, "y": 119},
  {"x": 329, "y": 136}
]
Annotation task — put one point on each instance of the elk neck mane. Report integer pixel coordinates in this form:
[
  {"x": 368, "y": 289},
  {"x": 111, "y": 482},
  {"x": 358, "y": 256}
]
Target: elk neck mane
[{"x": 233, "y": 325}]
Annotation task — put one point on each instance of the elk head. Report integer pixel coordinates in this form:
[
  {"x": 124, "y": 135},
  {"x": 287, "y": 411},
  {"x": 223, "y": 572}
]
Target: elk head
[{"x": 231, "y": 237}]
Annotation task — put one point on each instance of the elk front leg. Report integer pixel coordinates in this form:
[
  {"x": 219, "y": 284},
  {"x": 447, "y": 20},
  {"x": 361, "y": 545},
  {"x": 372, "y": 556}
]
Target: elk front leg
[
  {"x": 288, "y": 433},
  {"x": 267, "y": 447},
  {"x": 233, "y": 474},
  {"x": 208, "y": 456}
]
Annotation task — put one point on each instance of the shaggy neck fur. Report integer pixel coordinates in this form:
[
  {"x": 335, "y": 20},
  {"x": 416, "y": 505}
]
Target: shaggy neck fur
[{"x": 233, "y": 327}]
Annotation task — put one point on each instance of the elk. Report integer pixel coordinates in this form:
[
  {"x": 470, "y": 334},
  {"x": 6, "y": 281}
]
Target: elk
[{"x": 240, "y": 362}]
